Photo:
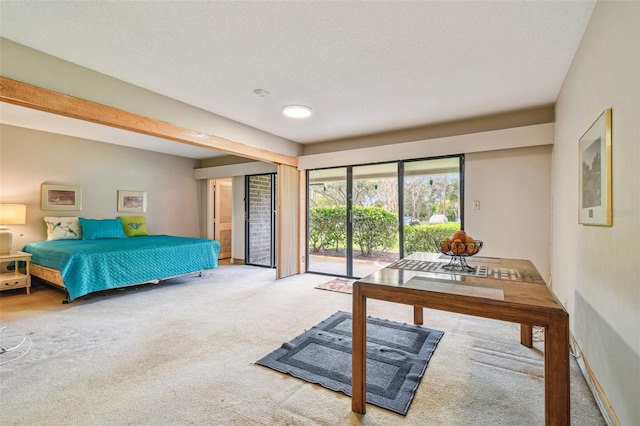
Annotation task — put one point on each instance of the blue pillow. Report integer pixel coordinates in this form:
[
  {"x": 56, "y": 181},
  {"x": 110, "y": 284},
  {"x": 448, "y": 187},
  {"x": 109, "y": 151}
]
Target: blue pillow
[{"x": 96, "y": 229}]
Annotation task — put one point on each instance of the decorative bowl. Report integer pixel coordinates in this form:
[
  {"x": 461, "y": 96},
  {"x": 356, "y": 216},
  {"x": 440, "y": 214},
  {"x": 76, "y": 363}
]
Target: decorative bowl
[
  {"x": 462, "y": 249},
  {"x": 458, "y": 252}
]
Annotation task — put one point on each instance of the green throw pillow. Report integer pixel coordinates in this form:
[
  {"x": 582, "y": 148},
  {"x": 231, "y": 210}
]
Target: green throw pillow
[{"x": 134, "y": 226}]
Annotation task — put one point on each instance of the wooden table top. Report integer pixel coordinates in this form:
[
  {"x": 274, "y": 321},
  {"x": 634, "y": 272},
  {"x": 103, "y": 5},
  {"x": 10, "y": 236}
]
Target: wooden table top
[{"x": 497, "y": 281}]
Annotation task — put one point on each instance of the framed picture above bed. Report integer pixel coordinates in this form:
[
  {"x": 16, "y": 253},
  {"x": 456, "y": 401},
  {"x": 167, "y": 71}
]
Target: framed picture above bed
[
  {"x": 132, "y": 201},
  {"x": 61, "y": 197}
]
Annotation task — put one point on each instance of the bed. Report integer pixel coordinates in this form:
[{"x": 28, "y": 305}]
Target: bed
[{"x": 86, "y": 266}]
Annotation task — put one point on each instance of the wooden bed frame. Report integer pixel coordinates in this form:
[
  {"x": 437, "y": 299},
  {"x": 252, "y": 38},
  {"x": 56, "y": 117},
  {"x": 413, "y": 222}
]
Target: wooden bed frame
[{"x": 52, "y": 276}]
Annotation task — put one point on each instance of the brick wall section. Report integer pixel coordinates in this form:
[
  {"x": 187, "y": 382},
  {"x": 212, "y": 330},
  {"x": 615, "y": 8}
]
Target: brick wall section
[{"x": 260, "y": 220}]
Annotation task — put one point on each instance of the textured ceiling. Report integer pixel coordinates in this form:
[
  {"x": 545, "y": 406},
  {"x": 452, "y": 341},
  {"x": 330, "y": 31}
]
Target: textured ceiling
[{"x": 363, "y": 67}]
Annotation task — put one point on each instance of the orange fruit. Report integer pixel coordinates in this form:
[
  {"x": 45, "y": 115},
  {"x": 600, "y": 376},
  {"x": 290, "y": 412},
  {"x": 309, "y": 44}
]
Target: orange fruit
[
  {"x": 445, "y": 244},
  {"x": 458, "y": 247},
  {"x": 460, "y": 235},
  {"x": 472, "y": 248}
]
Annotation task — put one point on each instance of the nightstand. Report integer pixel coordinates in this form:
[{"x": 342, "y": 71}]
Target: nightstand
[{"x": 15, "y": 279}]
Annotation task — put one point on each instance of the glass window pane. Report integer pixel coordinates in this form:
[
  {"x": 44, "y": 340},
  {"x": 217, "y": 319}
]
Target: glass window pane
[
  {"x": 375, "y": 217},
  {"x": 432, "y": 208},
  {"x": 328, "y": 221}
]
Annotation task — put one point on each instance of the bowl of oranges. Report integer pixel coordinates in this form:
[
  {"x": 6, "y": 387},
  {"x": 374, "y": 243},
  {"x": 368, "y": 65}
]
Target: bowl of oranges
[{"x": 459, "y": 246}]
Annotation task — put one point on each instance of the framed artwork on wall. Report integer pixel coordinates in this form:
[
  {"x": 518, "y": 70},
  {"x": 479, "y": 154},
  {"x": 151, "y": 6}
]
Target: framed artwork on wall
[
  {"x": 61, "y": 197},
  {"x": 132, "y": 201},
  {"x": 594, "y": 173}
]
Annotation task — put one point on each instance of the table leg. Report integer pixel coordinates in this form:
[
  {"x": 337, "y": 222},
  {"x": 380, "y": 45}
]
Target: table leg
[
  {"x": 359, "y": 352},
  {"x": 556, "y": 372},
  {"x": 526, "y": 335},
  {"x": 417, "y": 315}
]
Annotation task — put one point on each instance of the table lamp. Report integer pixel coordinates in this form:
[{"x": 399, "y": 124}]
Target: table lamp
[{"x": 10, "y": 214}]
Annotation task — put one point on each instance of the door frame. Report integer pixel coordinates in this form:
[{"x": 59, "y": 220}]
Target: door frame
[{"x": 213, "y": 204}]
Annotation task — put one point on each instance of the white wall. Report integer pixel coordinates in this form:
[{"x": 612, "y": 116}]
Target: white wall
[
  {"x": 29, "y": 158},
  {"x": 242, "y": 169},
  {"x": 514, "y": 190},
  {"x": 516, "y": 137},
  {"x": 596, "y": 270}
]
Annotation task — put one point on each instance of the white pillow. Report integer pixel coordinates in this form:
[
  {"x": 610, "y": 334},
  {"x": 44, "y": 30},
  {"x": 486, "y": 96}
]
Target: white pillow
[{"x": 63, "y": 228}]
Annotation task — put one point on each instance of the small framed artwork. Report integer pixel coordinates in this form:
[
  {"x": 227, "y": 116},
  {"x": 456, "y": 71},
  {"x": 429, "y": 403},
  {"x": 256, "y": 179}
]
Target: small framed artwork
[
  {"x": 594, "y": 175},
  {"x": 61, "y": 197},
  {"x": 132, "y": 201}
]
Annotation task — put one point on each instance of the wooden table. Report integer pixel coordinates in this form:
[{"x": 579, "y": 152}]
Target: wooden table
[{"x": 512, "y": 291}]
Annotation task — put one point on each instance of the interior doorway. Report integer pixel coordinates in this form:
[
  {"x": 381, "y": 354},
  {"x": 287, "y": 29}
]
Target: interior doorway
[{"x": 221, "y": 194}]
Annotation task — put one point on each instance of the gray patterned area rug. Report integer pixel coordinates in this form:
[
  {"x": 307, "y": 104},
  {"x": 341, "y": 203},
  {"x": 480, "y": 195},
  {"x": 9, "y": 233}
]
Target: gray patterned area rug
[{"x": 397, "y": 357}]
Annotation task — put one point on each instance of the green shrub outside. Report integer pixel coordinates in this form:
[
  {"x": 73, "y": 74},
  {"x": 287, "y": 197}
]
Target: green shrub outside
[
  {"x": 374, "y": 229},
  {"x": 422, "y": 238},
  {"x": 327, "y": 228}
]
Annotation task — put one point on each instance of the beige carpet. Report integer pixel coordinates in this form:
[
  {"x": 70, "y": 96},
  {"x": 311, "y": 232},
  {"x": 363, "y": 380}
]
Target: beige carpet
[{"x": 184, "y": 353}]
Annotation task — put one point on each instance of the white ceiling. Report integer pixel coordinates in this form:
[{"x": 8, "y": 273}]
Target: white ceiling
[{"x": 362, "y": 66}]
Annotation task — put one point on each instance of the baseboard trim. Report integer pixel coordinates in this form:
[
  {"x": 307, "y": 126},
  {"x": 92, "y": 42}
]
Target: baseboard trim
[
  {"x": 598, "y": 393},
  {"x": 237, "y": 261}
]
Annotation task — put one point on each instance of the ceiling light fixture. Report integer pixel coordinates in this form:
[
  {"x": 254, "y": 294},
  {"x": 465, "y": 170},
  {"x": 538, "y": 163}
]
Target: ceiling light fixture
[{"x": 296, "y": 111}]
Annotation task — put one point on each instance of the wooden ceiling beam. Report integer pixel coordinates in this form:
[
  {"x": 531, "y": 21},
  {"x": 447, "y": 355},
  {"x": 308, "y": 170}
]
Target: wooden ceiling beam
[{"x": 22, "y": 94}]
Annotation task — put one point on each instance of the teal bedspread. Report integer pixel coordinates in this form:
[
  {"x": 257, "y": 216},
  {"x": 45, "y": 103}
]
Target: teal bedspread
[{"x": 87, "y": 266}]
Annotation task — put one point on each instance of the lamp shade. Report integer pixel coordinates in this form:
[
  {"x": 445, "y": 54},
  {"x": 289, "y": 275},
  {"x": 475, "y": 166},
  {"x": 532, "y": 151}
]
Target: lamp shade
[{"x": 13, "y": 214}]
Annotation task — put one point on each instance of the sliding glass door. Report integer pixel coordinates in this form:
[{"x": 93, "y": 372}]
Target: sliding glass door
[{"x": 362, "y": 218}]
